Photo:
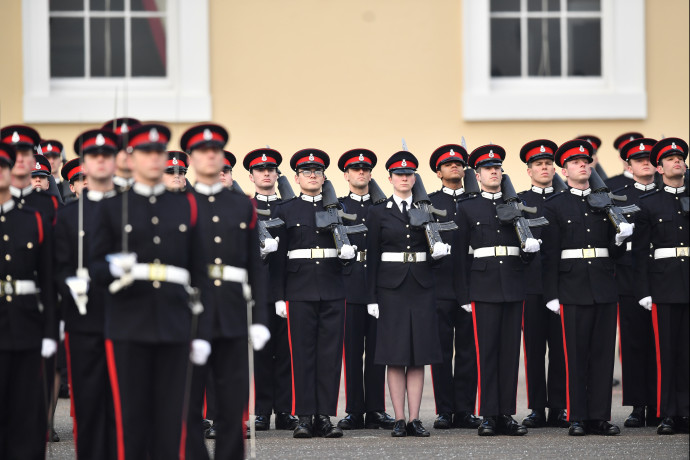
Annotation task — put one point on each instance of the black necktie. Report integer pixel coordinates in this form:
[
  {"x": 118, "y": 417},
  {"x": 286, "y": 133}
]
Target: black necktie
[{"x": 404, "y": 207}]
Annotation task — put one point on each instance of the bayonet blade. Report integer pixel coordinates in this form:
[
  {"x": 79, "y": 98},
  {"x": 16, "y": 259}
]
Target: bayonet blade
[{"x": 404, "y": 145}]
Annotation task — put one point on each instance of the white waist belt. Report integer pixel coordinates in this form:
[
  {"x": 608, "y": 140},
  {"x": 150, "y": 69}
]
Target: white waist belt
[
  {"x": 665, "y": 253},
  {"x": 18, "y": 287},
  {"x": 314, "y": 253},
  {"x": 407, "y": 257},
  {"x": 228, "y": 273},
  {"x": 160, "y": 272},
  {"x": 586, "y": 253},
  {"x": 628, "y": 246},
  {"x": 496, "y": 251},
  {"x": 361, "y": 256}
]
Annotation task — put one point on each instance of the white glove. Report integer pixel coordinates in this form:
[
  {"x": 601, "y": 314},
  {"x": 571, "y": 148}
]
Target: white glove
[
  {"x": 79, "y": 287},
  {"x": 531, "y": 245},
  {"x": 48, "y": 348},
  {"x": 199, "y": 352},
  {"x": 646, "y": 302},
  {"x": 259, "y": 335},
  {"x": 281, "y": 309},
  {"x": 347, "y": 252},
  {"x": 440, "y": 250},
  {"x": 121, "y": 263},
  {"x": 467, "y": 307},
  {"x": 625, "y": 231},
  {"x": 373, "y": 310},
  {"x": 270, "y": 245},
  {"x": 554, "y": 305}
]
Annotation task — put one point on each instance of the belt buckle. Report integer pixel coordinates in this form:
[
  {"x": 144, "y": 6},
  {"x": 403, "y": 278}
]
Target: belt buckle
[
  {"x": 361, "y": 256},
  {"x": 500, "y": 251},
  {"x": 410, "y": 257},
  {"x": 157, "y": 272},
  {"x": 215, "y": 272},
  {"x": 317, "y": 253},
  {"x": 682, "y": 252},
  {"x": 7, "y": 287},
  {"x": 589, "y": 253}
]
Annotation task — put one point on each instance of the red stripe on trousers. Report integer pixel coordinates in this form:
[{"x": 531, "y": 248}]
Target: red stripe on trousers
[
  {"x": 292, "y": 361},
  {"x": 479, "y": 372},
  {"x": 524, "y": 348},
  {"x": 655, "y": 323},
  {"x": 183, "y": 440},
  {"x": 71, "y": 393},
  {"x": 117, "y": 404},
  {"x": 567, "y": 375},
  {"x": 344, "y": 362}
]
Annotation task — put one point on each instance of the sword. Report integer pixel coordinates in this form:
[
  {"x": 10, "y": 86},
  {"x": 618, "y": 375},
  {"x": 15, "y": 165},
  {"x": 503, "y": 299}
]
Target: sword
[
  {"x": 251, "y": 409},
  {"x": 79, "y": 284}
]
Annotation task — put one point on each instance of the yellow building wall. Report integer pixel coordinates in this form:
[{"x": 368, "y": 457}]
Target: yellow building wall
[{"x": 337, "y": 75}]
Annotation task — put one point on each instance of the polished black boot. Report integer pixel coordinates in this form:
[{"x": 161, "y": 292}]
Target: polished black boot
[
  {"x": 487, "y": 427},
  {"x": 399, "y": 429},
  {"x": 285, "y": 421},
  {"x": 558, "y": 418},
  {"x": 636, "y": 419},
  {"x": 667, "y": 426},
  {"x": 210, "y": 433},
  {"x": 652, "y": 419},
  {"x": 352, "y": 421},
  {"x": 602, "y": 428},
  {"x": 323, "y": 427},
  {"x": 577, "y": 428},
  {"x": 304, "y": 427},
  {"x": 415, "y": 428},
  {"x": 507, "y": 425},
  {"x": 537, "y": 419},
  {"x": 443, "y": 421},
  {"x": 262, "y": 422},
  {"x": 466, "y": 420},
  {"x": 206, "y": 424},
  {"x": 375, "y": 420}
]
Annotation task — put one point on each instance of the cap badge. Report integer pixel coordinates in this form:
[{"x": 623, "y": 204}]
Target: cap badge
[
  {"x": 452, "y": 153},
  {"x": 49, "y": 148},
  {"x": 582, "y": 149},
  {"x": 153, "y": 135},
  {"x": 542, "y": 149},
  {"x": 15, "y": 137},
  {"x": 174, "y": 161},
  {"x": 491, "y": 154},
  {"x": 403, "y": 163},
  {"x": 207, "y": 135},
  {"x": 361, "y": 157},
  {"x": 38, "y": 166},
  {"x": 641, "y": 146},
  {"x": 311, "y": 157},
  {"x": 673, "y": 145},
  {"x": 263, "y": 157},
  {"x": 124, "y": 128},
  {"x": 100, "y": 140}
]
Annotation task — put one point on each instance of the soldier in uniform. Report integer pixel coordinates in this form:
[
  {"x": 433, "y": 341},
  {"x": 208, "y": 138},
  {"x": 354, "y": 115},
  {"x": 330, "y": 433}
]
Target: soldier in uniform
[
  {"x": 27, "y": 321},
  {"x": 577, "y": 268},
  {"x": 540, "y": 327},
  {"x": 40, "y": 173},
  {"x": 638, "y": 362},
  {"x": 226, "y": 173},
  {"x": 54, "y": 152},
  {"x": 455, "y": 389},
  {"x": 489, "y": 282},
  {"x": 148, "y": 318},
  {"x": 272, "y": 373},
  {"x": 400, "y": 293},
  {"x": 73, "y": 175},
  {"x": 308, "y": 289},
  {"x": 661, "y": 279},
  {"x": 626, "y": 177},
  {"x": 364, "y": 381},
  {"x": 121, "y": 127},
  {"x": 175, "y": 170},
  {"x": 92, "y": 402}
]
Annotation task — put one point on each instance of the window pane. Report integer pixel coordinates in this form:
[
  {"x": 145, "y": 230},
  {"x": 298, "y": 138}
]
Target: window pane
[
  {"x": 66, "y": 5},
  {"x": 148, "y": 5},
  {"x": 584, "y": 47},
  {"x": 544, "y": 47},
  {"x": 149, "y": 50},
  {"x": 543, "y": 5},
  {"x": 505, "y": 47},
  {"x": 66, "y": 47},
  {"x": 107, "y": 5},
  {"x": 584, "y": 5},
  {"x": 505, "y": 5},
  {"x": 107, "y": 47}
]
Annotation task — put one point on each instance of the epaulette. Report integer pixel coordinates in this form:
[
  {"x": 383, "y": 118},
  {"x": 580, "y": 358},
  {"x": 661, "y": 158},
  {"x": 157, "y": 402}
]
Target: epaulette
[
  {"x": 620, "y": 189},
  {"x": 466, "y": 197},
  {"x": 656, "y": 190},
  {"x": 555, "y": 194},
  {"x": 434, "y": 193},
  {"x": 522, "y": 192}
]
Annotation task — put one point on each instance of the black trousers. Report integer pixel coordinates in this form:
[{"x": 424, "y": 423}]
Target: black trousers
[
  {"x": 589, "y": 343},
  {"x": 637, "y": 352},
  {"x": 92, "y": 400},
  {"x": 542, "y": 327},
  {"x": 148, "y": 382},
  {"x": 315, "y": 331},
  {"x": 364, "y": 381},
  {"x": 497, "y": 340},
  {"x": 671, "y": 334},
  {"x": 455, "y": 387},
  {"x": 272, "y": 371},
  {"x": 22, "y": 405}
]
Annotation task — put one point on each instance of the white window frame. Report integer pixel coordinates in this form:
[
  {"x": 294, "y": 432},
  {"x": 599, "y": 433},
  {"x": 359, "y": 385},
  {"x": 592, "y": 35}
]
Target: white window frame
[
  {"x": 620, "y": 92},
  {"x": 182, "y": 96}
]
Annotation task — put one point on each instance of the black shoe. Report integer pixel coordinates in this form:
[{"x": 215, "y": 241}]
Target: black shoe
[
  {"x": 577, "y": 429},
  {"x": 352, "y": 422},
  {"x": 63, "y": 392},
  {"x": 602, "y": 428},
  {"x": 557, "y": 418},
  {"x": 615, "y": 382},
  {"x": 262, "y": 422},
  {"x": 636, "y": 418},
  {"x": 54, "y": 436},
  {"x": 304, "y": 427},
  {"x": 206, "y": 424},
  {"x": 667, "y": 426},
  {"x": 399, "y": 429},
  {"x": 443, "y": 421},
  {"x": 323, "y": 427},
  {"x": 285, "y": 421},
  {"x": 652, "y": 419},
  {"x": 487, "y": 427},
  {"x": 374, "y": 420},
  {"x": 210, "y": 433},
  {"x": 537, "y": 419},
  {"x": 466, "y": 420},
  {"x": 681, "y": 424},
  {"x": 415, "y": 428},
  {"x": 507, "y": 425}
]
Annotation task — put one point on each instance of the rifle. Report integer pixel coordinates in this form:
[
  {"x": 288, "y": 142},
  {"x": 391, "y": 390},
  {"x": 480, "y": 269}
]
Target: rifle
[
  {"x": 285, "y": 189},
  {"x": 264, "y": 225},
  {"x": 470, "y": 182},
  {"x": 685, "y": 200},
  {"x": 332, "y": 218},
  {"x": 236, "y": 187},
  {"x": 423, "y": 215},
  {"x": 510, "y": 212},
  {"x": 601, "y": 200},
  {"x": 377, "y": 195},
  {"x": 558, "y": 184},
  {"x": 601, "y": 172}
]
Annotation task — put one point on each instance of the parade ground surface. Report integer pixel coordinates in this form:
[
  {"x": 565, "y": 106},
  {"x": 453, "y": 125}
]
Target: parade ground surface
[{"x": 543, "y": 443}]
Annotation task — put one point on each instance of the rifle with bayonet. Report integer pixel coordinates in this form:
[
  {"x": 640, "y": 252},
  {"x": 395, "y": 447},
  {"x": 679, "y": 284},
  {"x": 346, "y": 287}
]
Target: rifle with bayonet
[
  {"x": 332, "y": 216},
  {"x": 264, "y": 225},
  {"x": 510, "y": 212},
  {"x": 470, "y": 182},
  {"x": 558, "y": 184},
  {"x": 685, "y": 200},
  {"x": 422, "y": 215},
  {"x": 601, "y": 200},
  {"x": 375, "y": 192},
  {"x": 284, "y": 188}
]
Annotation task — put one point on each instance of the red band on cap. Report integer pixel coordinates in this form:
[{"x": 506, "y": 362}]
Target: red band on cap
[
  {"x": 180, "y": 164},
  {"x": 259, "y": 160},
  {"x": 623, "y": 142},
  {"x": 4, "y": 154},
  {"x": 22, "y": 138},
  {"x": 41, "y": 167},
  {"x": 455, "y": 156},
  {"x": 488, "y": 156},
  {"x": 314, "y": 159},
  {"x": 538, "y": 151},
  {"x": 76, "y": 170},
  {"x": 143, "y": 138},
  {"x": 666, "y": 149},
  {"x": 572, "y": 152},
  {"x": 227, "y": 162},
  {"x": 53, "y": 151},
  {"x": 92, "y": 141},
  {"x": 356, "y": 160},
  {"x": 636, "y": 150},
  {"x": 398, "y": 164},
  {"x": 200, "y": 138}
]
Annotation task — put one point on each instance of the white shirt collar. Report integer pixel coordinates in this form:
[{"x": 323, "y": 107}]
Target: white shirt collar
[
  {"x": 628, "y": 174},
  {"x": 21, "y": 192},
  {"x": 356, "y": 197},
  {"x": 95, "y": 195},
  {"x": 261, "y": 197},
  {"x": 542, "y": 191},
  {"x": 674, "y": 190},
  {"x": 145, "y": 190},
  {"x": 208, "y": 190},
  {"x": 453, "y": 192},
  {"x": 398, "y": 201},
  {"x": 492, "y": 196},
  {"x": 578, "y": 192},
  {"x": 311, "y": 199},
  {"x": 7, "y": 206},
  {"x": 122, "y": 182},
  {"x": 644, "y": 188}
]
